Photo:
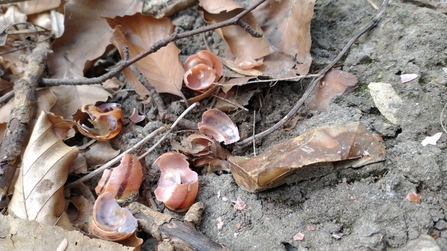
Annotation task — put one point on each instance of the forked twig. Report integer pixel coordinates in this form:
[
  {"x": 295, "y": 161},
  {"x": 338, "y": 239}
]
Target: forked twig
[
  {"x": 315, "y": 81},
  {"x": 154, "y": 48}
]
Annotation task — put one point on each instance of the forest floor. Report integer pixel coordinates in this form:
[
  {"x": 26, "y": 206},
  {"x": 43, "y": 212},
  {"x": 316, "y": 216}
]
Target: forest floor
[{"x": 367, "y": 206}]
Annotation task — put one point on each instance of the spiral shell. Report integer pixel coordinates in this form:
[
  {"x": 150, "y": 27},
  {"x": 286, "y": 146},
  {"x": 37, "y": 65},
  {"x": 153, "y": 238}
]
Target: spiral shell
[
  {"x": 202, "y": 70},
  {"x": 110, "y": 221},
  {"x": 178, "y": 185},
  {"x": 124, "y": 181},
  {"x": 218, "y": 125}
]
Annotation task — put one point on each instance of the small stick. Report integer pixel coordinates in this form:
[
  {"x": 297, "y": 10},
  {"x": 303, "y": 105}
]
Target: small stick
[
  {"x": 154, "y": 48},
  {"x": 6, "y": 97},
  {"x": 117, "y": 158},
  {"x": 169, "y": 131},
  {"x": 254, "y": 133},
  {"x": 17, "y": 132},
  {"x": 314, "y": 83}
]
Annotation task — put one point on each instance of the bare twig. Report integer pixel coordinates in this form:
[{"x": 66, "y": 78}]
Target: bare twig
[
  {"x": 170, "y": 129},
  {"x": 117, "y": 158},
  {"x": 6, "y": 97},
  {"x": 17, "y": 132},
  {"x": 154, "y": 48},
  {"x": 315, "y": 81},
  {"x": 162, "y": 110}
]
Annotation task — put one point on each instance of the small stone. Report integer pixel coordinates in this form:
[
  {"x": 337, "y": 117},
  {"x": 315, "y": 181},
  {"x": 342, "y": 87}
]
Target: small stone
[
  {"x": 441, "y": 225},
  {"x": 422, "y": 243}
]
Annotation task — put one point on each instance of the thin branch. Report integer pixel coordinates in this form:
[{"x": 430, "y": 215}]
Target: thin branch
[
  {"x": 162, "y": 110},
  {"x": 117, "y": 158},
  {"x": 154, "y": 48},
  {"x": 179, "y": 119},
  {"x": 6, "y": 97},
  {"x": 314, "y": 83},
  {"x": 17, "y": 132}
]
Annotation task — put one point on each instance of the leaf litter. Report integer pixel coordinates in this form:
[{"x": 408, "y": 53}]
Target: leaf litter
[{"x": 270, "y": 54}]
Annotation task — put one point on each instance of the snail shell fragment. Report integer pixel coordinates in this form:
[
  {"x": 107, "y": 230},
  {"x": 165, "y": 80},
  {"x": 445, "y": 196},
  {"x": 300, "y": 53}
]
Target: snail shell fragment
[
  {"x": 110, "y": 221},
  {"x": 124, "y": 181},
  {"x": 178, "y": 185}
]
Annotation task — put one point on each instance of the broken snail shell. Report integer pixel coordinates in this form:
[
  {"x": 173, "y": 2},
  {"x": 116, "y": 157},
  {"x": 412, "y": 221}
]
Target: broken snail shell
[
  {"x": 178, "y": 185},
  {"x": 123, "y": 181},
  {"x": 218, "y": 125},
  {"x": 202, "y": 69},
  {"x": 110, "y": 221},
  {"x": 106, "y": 119}
]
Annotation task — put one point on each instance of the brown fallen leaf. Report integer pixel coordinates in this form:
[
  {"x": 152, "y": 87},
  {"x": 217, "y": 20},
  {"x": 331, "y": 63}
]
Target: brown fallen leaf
[
  {"x": 163, "y": 68},
  {"x": 70, "y": 98},
  {"x": 86, "y": 35},
  {"x": 39, "y": 190},
  {"x": 247, "y": 49},
  {"x": 323, "y": 144},
  {"x": 286, "y": 24}
]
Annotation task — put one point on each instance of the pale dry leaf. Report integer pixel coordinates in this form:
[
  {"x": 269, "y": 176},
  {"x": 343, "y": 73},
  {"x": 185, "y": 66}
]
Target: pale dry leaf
[
  {"x": 39, "y": 190},
  {"x": 70, "y": 98},
  {"x": 242, "y": 45},
  {"x": 79, "y": 165},
  {"x": 286, "y": 24},
  {"x": 100, "y": 153},
  {"x": 32, "y": 7},
  {"x": 163, "y": 68},
  {"x": 86, "y": 34}
]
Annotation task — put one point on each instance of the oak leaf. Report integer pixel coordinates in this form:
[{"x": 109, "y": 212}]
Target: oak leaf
[
  {"x": 163, "y": 68},
  {"x": 39, "y": 190}
]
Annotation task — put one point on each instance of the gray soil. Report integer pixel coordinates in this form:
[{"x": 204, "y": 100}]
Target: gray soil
[{"x": 367, "y": 205}]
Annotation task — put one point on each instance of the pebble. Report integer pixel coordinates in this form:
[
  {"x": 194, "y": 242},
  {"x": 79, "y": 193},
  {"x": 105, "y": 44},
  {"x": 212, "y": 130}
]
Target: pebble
[{"x": 422, "y": 243}]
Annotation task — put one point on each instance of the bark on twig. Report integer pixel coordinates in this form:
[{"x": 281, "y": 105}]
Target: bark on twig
[
  {"x": 315, "y": 81},
  {"x": 17, "y": 131},
  {"x": 180, "y": 235},
  {"x": 154, "y": 48}
]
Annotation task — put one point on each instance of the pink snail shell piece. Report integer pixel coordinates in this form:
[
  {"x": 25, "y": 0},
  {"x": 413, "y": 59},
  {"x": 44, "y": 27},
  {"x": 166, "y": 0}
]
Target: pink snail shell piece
[
  {"x": 178, "y": 185},
  {"x": 218, "y": 125},
  {"x": 110, "y": 221}
]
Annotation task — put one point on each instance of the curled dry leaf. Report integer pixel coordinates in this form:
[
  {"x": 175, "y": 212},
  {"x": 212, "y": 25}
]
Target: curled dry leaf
[
  {"x": 202, "y": 70},
  {"x": 39, "y": 191},
  {"x": 178, "y": 185},
  {"x": 334, "y": 83},
  {"x": 286, "y": 25},
  {"x": 106, "y": 119},
  {"x": 163, "y": 68},
  {"x": 218, "y": 125},
  {"x": 110, "y": 221},
  {"x": 247, "y": 49},
  {"x": 124, "y": 181},
  {"x": 324, "y": 144}
]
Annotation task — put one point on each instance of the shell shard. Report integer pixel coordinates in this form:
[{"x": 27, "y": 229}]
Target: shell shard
[
  {"x": 178, "y": 185},
  {"x": 218, "y": 125},
  {"x": 124, "y": 181},
  {"x": 110, "y": 221}
]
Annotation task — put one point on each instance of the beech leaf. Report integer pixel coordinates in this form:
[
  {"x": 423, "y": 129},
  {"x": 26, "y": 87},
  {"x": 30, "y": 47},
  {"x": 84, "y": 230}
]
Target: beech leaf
[
  {"x": 86, "y": 34},
  {"x": 163, "y": 68},
  {"x": 246, "y": 48},
  {"x": 324, "y": 144},
  {"x": 286, "y": 24},
  {"x": 39, "y": 190}
]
